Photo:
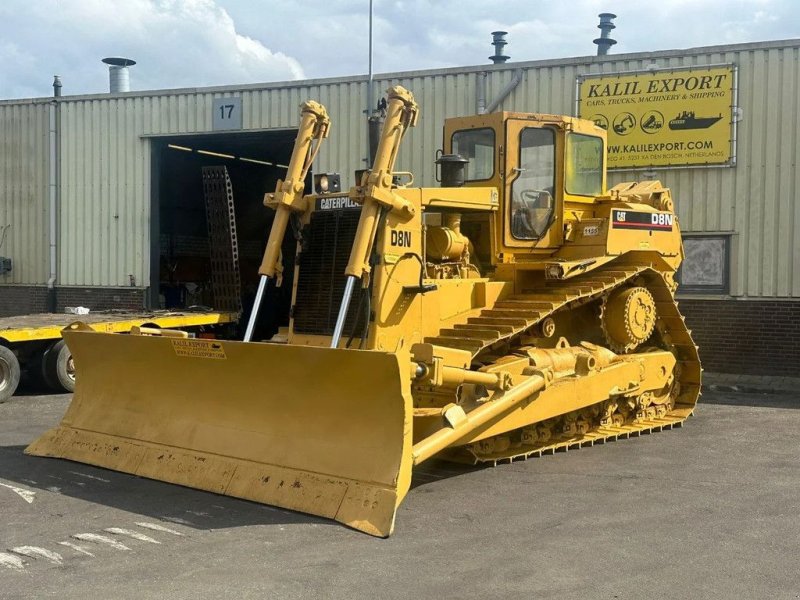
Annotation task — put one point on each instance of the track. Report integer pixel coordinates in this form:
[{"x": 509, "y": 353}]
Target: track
[{"x": 501, "y": 329}]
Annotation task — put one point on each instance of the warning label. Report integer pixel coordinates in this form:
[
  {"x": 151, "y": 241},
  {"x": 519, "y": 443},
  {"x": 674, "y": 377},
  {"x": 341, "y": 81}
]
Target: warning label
[{"x": 199, "y": 348}]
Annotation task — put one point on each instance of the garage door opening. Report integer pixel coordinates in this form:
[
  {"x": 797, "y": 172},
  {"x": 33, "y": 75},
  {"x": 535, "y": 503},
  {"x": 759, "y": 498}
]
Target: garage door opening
[{"x": 183, "y": 259}]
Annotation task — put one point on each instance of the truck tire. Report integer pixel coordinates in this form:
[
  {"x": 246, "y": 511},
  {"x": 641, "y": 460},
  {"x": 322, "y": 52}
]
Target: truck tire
[
  {"x": 58, "y": 369},
  {"x": 9, "y": 373}
]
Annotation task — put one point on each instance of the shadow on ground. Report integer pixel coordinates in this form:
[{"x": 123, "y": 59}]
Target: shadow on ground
[
  {"x": 735, "y": 397},
  {"x": 138, "y": 495},
  {"x": 167, "y": 501},
  {"x": 437, "y": 469}
]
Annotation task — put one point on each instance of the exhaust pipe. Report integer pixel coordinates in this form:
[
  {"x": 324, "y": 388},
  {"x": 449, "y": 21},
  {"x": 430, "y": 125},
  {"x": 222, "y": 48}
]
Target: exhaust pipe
[
  {"x": 604, "y": 42},
  {"x": 119, "y": 79}
]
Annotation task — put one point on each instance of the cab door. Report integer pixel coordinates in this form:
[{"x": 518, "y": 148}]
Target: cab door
[{"x": 533, "y": 180}]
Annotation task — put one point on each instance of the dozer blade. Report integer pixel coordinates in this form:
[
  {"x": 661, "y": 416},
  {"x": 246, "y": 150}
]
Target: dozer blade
[{"x": 321, "y": 431}]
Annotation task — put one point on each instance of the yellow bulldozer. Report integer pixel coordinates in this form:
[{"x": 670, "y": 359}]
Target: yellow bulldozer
[{"x": 519, "y": 309}]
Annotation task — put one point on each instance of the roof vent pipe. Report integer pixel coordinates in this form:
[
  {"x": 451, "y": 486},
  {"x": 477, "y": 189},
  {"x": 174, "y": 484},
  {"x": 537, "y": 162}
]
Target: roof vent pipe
[
  {"x": 604, "y": 42},
  {"x": 119, "y": 79},
  {"x": 56, "y": 86},
  {"x": 499, "y": 42}
]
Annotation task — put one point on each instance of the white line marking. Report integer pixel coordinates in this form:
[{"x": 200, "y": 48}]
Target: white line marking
[
  {"x": 198, "y": 513},
  {"x": 36, "y": 552},
  {"x": 134, "y": 534},
  {"x": 77, "y": 548},
  {"x": 87, "y": 476},
  {"x": 178, "y": 520},
  {"x": 54, "y": 488},
  {"x": 101, "y": 539},
  {"x": 26, "y": 495},
  {"x": 157, "y": 527},
  {"x": 11, "y": 562}
]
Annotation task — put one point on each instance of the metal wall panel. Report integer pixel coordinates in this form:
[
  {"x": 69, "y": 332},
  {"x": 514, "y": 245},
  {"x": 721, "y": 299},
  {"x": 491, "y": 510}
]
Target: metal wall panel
[
  {"x": 105, "y": 173},
  {"x": 105, "y": 194},
  {"x": 24, "y": 164}
]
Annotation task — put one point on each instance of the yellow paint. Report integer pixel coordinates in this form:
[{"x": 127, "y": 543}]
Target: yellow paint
[
  {"x": 172, "y": 321},
  {"x": 662, "y": 118}
]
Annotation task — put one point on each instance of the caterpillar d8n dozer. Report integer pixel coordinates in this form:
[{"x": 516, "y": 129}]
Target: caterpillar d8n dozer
[{"x": 519, "y": 309}]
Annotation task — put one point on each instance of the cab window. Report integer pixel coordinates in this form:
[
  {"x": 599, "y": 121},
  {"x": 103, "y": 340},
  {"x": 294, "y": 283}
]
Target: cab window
[
  {"x": 584, "y": 169},
  {"x": 532, "y": 203},
  {"x": 477, "y": 146}
]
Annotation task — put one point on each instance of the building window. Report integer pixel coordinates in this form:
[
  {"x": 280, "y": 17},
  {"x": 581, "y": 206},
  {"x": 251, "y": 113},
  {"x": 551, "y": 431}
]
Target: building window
[{"x": 706, "y": 267}]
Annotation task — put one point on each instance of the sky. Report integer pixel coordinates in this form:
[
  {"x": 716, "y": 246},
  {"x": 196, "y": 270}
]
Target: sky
[{"x": 194, "y": 43}]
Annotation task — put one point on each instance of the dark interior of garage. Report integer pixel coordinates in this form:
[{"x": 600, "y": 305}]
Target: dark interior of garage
[{"x": 182, "y": 250}]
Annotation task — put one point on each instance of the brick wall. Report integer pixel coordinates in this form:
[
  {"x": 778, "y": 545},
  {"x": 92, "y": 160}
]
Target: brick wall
[
  {"x": 746, "y": 337},
  {"x": 23, "y": 299}
]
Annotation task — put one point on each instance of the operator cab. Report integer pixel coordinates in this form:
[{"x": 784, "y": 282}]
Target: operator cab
[{"x": 543, "y": 166}]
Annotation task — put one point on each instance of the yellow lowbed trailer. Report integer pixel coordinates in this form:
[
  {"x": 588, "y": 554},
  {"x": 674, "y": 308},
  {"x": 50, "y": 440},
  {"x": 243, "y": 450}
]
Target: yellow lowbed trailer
[{"x": 32, "y": 344}]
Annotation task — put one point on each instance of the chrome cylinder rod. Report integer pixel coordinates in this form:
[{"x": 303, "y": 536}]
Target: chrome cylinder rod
[
  {"x": 348, "y": 292},
  {"x": 251, "y": 323}
]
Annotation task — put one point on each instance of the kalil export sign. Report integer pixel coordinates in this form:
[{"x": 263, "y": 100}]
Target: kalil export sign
[{"x": 663, "y": 118}]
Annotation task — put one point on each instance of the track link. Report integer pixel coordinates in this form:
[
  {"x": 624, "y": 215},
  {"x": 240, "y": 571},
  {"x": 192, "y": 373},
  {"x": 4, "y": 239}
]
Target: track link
[{"x": 505, "y": 324}]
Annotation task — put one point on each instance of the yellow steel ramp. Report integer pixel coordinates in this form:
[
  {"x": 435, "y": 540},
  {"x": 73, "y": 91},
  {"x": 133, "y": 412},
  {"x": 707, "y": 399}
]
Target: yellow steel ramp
[{"x": 326, "y": 432}]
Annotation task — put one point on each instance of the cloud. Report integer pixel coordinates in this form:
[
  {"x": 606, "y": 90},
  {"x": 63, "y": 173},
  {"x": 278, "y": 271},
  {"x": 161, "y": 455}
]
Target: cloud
[
  {"x": 176, "y": 43},
  {"x": 188, "y": 43}
]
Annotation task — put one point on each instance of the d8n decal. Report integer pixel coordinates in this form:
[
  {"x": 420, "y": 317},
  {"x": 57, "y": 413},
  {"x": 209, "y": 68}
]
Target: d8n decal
[
  {"x": 401, "y": 238},
  {"x": 628, "y": 219}
]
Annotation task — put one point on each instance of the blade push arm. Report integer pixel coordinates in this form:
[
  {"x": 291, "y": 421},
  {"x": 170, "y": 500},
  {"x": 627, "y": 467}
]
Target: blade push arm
[{"x": 288, "y": 196}]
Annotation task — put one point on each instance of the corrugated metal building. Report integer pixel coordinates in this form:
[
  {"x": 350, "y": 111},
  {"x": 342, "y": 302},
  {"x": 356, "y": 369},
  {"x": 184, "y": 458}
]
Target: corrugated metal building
[{"x": 115, "y": 155}]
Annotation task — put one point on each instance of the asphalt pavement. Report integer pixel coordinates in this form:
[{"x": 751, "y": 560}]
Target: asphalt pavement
[{"x": 710, "y": 510}]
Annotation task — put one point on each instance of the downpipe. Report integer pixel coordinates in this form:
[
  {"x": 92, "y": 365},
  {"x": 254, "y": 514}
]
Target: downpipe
[
  {"x": 53, "y": 204},
  {"x": 480, "y": 93},
  {"x": 515, "y": 81}
]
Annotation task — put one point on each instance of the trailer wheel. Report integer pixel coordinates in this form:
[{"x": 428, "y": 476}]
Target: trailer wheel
[
  {"x": 9, "y": 373},
  {"x": 58, "y": 368}
]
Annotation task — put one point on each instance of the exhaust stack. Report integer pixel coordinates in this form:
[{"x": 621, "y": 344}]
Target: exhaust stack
[
  {"x": 604, "y": 42},
  {"x": 119, "y": 80},
  {"x": 499, "y": 42}
]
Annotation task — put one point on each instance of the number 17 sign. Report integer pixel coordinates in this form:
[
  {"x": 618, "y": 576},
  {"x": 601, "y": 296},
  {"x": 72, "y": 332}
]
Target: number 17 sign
[{"x": 226, "y": 113}]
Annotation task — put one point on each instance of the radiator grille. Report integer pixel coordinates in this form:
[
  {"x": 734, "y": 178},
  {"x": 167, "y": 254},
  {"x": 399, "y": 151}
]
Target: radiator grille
[{"x": 327, "y": 240}]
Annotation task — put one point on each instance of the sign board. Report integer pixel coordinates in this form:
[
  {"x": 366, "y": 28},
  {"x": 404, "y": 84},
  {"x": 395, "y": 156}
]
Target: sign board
[
  {"x": 663, "y": 118},
  {"x": 226, "y": 113}
]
